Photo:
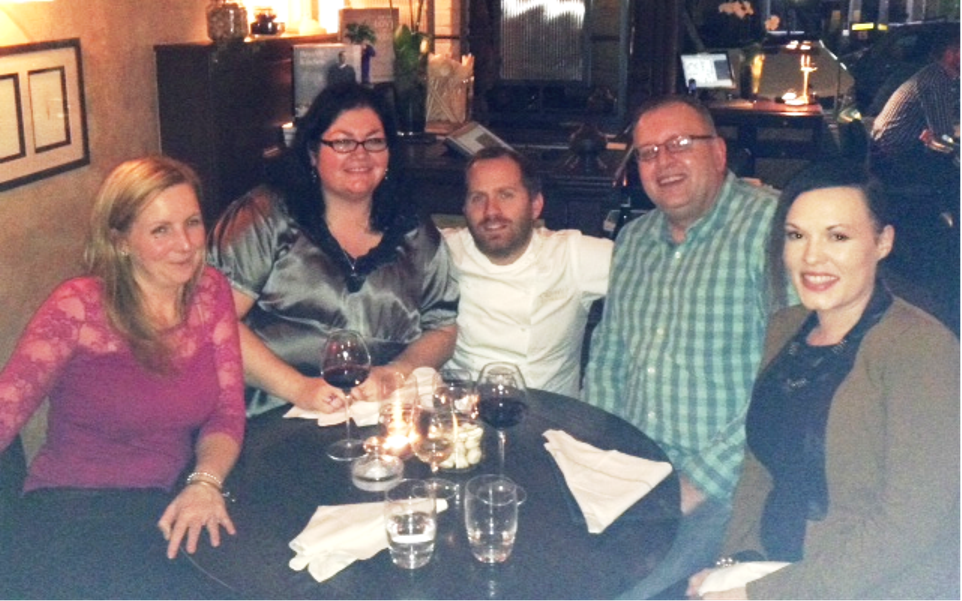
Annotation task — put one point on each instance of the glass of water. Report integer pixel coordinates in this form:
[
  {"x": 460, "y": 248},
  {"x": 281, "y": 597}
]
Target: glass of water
[
  {"x": 491, "y": 516},
  {"x": 410, "y": 517}
]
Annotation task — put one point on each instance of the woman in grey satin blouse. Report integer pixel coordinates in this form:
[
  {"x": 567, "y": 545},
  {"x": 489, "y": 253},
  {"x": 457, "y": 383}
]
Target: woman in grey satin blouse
[{"x": 325, "y": 244}]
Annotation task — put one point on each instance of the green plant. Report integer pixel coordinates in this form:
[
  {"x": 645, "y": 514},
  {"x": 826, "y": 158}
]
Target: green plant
[{"x": 358, "y": 33}]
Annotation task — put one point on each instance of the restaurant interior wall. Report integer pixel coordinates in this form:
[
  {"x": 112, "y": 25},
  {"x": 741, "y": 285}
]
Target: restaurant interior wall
[{"x": 42, "y": 224}]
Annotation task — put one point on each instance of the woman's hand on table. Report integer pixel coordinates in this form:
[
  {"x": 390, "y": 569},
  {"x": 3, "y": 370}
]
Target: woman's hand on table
[
  {"x": 380, "y": 378},
  {"x": 695, "y": 582},
  {"x": 315, "y": 394},
  {"x": 735, "y": 593},
  {"x": 198, "y": 506}
]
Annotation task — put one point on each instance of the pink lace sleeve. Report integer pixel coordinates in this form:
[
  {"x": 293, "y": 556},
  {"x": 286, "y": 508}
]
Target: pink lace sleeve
[
  {"x": 44, "y": 348},
  {"x": 229, "y": 416}
]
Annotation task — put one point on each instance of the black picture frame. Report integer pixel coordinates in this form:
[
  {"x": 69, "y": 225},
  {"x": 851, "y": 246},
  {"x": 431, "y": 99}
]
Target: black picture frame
[{"x": 43, "y": 117}]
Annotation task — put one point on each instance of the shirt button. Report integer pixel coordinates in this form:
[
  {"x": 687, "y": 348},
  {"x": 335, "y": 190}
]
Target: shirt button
[
  {"x": 677, "y": 254},
  {"x": 651, "y": 415},
  {"x": 660, "y": 332},
  {"x": 650, "y": 371}
]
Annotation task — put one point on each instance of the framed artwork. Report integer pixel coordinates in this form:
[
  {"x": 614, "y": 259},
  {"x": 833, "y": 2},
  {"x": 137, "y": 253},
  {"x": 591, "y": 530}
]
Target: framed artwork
[
  {"x": 380, "y": 55},
  {"x": 472, "y": 137},
  {"x": 43, "y": 120}
]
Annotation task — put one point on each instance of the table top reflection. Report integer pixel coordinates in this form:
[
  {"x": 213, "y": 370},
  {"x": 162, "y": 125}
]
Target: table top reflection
[{"x": 284, "y": 474}]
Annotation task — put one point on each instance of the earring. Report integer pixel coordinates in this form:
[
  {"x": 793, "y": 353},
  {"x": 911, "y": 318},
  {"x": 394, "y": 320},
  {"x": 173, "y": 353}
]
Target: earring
[{"x": 314, "y": 177}]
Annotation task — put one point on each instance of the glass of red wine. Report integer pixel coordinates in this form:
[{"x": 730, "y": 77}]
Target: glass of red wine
[
  {"x": 501, "y": 400},
  {"x": 345, "y": 363}
]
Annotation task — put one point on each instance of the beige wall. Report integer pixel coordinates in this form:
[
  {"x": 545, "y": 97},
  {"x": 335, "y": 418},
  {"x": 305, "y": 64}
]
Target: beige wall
[{"x": 42, "y": 224}]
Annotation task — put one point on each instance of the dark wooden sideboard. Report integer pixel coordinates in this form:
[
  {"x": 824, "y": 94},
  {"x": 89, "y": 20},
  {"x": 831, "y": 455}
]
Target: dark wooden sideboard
[{"x": 222, "y": 105}]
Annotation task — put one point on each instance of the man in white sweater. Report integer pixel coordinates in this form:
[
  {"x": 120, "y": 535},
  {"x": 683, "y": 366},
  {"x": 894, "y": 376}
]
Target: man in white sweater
[{"x": 525, "y": 290}]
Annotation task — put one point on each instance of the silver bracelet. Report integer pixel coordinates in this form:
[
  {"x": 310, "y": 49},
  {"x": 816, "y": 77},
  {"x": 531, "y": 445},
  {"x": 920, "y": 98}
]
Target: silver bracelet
[
  {"x": 725, "y": 562},
  {"x": 194, "y": 476}
]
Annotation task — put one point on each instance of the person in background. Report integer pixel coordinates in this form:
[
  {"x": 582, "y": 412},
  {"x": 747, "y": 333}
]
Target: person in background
[
  {"x": 525, "y": 290},
  {"x": 920, "y": 111},
  {"x": 852, "y": 468},
  {"x": 140, "y": 359},
  {"x": 327, "y": 245},
  {"x": 340, "y": 72},
  {"x": 681, "y": 335}
]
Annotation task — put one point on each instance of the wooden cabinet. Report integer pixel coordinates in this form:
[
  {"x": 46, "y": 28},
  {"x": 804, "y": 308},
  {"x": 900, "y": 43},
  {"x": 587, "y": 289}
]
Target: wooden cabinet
[{"x": 222, "y": 106}]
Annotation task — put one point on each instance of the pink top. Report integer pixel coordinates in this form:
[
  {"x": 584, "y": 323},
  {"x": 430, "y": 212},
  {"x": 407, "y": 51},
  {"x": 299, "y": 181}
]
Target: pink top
[{"x": 112, "y": 423}]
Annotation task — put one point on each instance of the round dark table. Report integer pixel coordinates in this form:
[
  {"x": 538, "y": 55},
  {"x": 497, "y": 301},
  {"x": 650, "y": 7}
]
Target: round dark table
[{"x": 284, "y": 474}]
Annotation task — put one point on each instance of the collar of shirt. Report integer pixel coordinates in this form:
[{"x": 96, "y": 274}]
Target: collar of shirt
[{"x": 707, "y": 223}]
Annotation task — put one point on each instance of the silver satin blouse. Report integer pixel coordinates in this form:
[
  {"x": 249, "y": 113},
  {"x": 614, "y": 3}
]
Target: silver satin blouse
[{"x": 305, "y": 286}]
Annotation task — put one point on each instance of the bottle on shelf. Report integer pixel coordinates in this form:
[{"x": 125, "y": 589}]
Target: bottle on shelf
[{"x": 226, "y": 21}]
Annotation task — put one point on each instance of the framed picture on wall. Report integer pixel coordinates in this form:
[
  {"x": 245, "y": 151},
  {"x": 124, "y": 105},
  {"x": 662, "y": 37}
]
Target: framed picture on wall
[{"x": 43, "y": 121}]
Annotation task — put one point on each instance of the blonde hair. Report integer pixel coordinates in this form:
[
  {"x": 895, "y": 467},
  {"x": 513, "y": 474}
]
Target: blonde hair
[{"x": 123, "y": 195}]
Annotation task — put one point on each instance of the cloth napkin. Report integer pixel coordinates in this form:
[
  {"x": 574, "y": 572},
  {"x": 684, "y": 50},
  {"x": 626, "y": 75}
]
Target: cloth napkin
[
  {"x": 738, "y": 575},
  {"x": 425, "y": 379},
  {"x": 364, "y": 413},
  {"x": 604, "y": 483},
  {"x": 338, "y": 535}
]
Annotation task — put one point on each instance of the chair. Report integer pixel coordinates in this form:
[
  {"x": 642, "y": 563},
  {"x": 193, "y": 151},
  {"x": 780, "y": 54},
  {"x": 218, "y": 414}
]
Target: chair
[{"x": 13, "y": 472}]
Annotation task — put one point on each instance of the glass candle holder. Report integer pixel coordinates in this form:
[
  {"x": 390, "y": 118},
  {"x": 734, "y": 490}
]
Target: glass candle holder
[{"x": 226, "y": 21}]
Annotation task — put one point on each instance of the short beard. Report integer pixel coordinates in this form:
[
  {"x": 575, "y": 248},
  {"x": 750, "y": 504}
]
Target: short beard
[{"x": 516, "y": 245}]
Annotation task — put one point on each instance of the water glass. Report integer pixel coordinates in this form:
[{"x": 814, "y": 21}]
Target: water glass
[
  {"x": 410, "y": 518},
  {"x": 491, "y": 516}
]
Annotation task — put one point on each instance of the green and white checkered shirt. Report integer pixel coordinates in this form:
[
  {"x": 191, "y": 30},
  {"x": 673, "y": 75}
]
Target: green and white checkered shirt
[{"x": 679, "y": 344}]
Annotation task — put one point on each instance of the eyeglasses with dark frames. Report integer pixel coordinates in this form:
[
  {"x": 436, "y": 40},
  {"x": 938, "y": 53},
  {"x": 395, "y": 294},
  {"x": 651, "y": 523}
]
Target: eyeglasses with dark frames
[
  {"x": 676, "y": 145},
  {"x": 347, "y": 145}
]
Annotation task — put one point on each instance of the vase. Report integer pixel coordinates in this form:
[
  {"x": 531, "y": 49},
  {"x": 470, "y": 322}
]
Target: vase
[
  {"x": 226, "y": 21},
  {"x": 410, "y": 81}
]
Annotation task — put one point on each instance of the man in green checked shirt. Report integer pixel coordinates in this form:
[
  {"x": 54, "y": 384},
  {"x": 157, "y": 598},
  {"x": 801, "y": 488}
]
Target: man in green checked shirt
[{"x": 678, "y": 346}]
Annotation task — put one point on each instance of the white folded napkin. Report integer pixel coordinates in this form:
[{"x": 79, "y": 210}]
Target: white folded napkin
[
  {"x": 338, "y": 535},
  {"x": 364, "y": 413},
  {"x": 425, "y": 379},
  {"x": 738, "y": 575},
  {"x": 604, "y": 483}
]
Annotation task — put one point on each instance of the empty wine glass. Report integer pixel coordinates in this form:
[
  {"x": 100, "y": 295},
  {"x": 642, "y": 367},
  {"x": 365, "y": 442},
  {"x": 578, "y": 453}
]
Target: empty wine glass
[
  {"x": 455, "y": 387},
  {"x": 502, "y": 398},
  {"x": 437, "y": 434},
  {"x": 345, "y": 363}
]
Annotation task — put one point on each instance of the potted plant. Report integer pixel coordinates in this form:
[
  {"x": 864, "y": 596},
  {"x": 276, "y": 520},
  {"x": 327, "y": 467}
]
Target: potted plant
[
  {"x": 362, "y": 34},
  {"x": 411, "y": 49}
]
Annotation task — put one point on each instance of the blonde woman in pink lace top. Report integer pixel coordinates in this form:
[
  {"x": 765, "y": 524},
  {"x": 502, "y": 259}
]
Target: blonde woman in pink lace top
[{"x": 141, "y": 362}]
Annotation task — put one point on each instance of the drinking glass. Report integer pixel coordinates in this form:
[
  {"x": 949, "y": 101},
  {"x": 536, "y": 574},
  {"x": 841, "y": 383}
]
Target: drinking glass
[
  {"x": 456, "y": 388},
  {"x": 345, "y": 363},
  {"x": 437, "y": 434},
  {"x": 410, "y": 518},
  {"x": 491, "y": 517},
  {"x": 501, "y": 400},
  {"x": 398, "y": 413}
]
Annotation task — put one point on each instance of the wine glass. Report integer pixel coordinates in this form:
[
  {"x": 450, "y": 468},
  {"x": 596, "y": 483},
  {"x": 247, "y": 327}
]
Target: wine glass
[
  {"x": 345, "y": 363},
  {"x": 501, "y": 400},
  {"x": 455, "y": 387},
  {"x": 437, "y": 435}
]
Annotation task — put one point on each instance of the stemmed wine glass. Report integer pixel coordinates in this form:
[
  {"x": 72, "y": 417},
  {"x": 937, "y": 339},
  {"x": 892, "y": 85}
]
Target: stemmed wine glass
[
  {"x": 502, "y": 397},
  {"x": 345, "y": 363},
  {"x": 437, "y": 435},
  {"x": 455, "y": 387}
]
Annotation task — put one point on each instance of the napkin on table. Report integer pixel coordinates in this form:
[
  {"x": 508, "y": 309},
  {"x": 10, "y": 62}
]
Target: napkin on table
[
  {"x": 364, "y": 413},
  {"x": 338, "y": 535},
  {"x": 738, "y": 575},
  {"x": 604, "y": 483},
  {"x": 424, "y": 376}
]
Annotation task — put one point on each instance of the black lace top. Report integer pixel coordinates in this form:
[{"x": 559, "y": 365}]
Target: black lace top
[{"x": 786, "y": 422}]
